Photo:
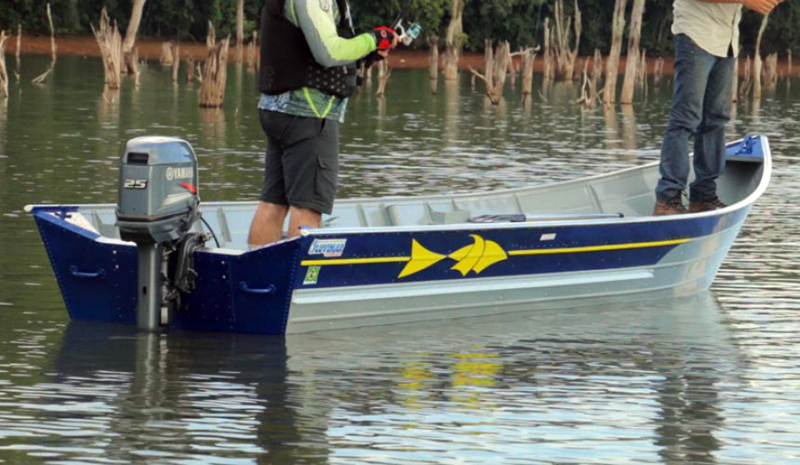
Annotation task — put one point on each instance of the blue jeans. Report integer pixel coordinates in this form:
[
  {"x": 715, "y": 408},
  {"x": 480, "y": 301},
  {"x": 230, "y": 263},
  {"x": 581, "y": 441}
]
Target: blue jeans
[{"x": 701, "y": 105}]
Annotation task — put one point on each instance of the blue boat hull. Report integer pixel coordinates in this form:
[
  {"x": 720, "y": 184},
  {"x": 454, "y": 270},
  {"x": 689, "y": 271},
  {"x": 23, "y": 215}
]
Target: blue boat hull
[{"x": 359, "y": 277}]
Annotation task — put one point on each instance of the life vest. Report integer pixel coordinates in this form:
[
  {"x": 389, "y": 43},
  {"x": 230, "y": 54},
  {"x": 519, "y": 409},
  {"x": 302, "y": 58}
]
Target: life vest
[{"x": 286, "y": 59}]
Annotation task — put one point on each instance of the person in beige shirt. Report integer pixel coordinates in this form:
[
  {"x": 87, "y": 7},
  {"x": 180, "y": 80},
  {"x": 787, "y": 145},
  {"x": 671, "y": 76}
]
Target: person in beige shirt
[{"x": 706, "y": 43}]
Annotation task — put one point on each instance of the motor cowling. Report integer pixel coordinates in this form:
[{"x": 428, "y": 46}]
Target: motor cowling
[
  {"x": 158, "y": 205},
  {"x": 158, "y": 196}
]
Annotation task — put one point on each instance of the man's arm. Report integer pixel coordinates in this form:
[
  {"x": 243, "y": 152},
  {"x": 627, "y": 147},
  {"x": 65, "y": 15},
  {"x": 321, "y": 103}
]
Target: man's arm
[
  {"x": 320, "y": 31},
  {"x": 761, "y": 6}
]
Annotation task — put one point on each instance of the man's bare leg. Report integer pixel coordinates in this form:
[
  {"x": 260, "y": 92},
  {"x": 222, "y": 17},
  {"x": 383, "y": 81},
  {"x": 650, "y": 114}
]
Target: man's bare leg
[
  {"x": 302, "y": 217},
  {"x": 267, "y": 225}
]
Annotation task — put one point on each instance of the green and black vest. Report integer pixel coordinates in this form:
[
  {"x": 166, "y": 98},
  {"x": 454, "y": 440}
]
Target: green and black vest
[{"x": 286, "y": 59}]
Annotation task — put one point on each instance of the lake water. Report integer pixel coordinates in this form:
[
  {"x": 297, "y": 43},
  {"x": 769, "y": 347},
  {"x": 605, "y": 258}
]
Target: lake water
[{"x": 713, "y": 377}]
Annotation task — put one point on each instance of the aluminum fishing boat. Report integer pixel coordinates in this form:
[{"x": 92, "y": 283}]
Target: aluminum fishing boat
[{"x": 402, "y": 259}]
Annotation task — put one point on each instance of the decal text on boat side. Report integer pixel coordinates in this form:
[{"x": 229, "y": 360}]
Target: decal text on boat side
[{"x": 328, "y": 247}]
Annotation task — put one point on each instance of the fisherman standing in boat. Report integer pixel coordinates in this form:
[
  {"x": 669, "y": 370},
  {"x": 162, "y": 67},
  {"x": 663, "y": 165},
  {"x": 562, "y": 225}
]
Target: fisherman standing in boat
[
  {"x": 308, "y": 70},
  {"x": 706, "y": 42}
]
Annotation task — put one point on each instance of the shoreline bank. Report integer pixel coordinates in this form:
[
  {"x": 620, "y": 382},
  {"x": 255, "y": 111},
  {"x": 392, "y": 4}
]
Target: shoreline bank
[{"x": 150, "y": 49}]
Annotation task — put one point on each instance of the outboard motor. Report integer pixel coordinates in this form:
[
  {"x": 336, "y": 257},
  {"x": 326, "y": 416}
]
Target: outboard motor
[{"x": 158, "y": 204}]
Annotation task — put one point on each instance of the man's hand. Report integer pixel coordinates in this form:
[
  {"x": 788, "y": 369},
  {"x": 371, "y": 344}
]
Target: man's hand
[
  {"x": 386, "y": 39},
  {"x": 761, "y": 6}
]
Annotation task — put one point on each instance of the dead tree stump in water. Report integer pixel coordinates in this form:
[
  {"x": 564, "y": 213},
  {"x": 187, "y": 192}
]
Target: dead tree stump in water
[
  {"x": 252, "y": 50},
  {"x": 433, "y": 63},
  {"x": 565, "y": 56},
  {"x": 496, "y": 70},
  {"x": 771, "y": 70},
  {"x": 167, "y": 57},
  {"x": 548, "y": 51},
  {"x": 110, "y": 43},
  {"x": 528, "y": 60},
  {"x": 240, "y": 30},
  {"x": 632, "y": 59},
  {"x": 658, "y": 71},
  {"x": 41, "y": 78},
  {"x": 612, "y": 64},
  {"x": 215, "y": 75},
  {"x": 757, "y": 59},
  {"x": 589, "y": 93},
  {"x": 130, "y": 59},
  {"x": 3, "y": 70},
  {"x": 747, "y": 79},
  {"x": 19, "y": 47},
  {"x": 190, "y": 70},
  {"x": 454, "y": 40},
  {"x": 176, "y": 63}
]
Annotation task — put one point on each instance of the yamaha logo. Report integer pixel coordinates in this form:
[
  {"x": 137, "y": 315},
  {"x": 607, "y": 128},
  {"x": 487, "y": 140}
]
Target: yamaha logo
[{"x": 179, "y": 173}]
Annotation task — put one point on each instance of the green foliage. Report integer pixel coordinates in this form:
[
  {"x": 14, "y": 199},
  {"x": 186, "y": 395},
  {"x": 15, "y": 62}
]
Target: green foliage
[{"x": 518, "y": 21}]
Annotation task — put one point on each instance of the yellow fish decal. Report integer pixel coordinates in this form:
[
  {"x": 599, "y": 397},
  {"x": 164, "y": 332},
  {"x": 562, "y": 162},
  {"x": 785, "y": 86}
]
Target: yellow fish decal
[{"x": 478, "y": 256}]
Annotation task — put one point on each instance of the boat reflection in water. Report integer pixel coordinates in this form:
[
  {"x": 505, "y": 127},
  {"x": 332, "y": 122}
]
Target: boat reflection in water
[{"x": 546, "y": 384}]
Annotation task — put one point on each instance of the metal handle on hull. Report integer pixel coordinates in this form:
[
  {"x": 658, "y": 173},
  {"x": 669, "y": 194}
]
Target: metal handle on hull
[
  {"x": 86, "y": 274},
  {"x": 270, "y": 289}
]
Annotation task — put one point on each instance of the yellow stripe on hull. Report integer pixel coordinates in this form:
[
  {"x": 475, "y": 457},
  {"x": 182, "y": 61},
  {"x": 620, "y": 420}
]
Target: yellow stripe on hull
[{"x": 472, "y": 258}]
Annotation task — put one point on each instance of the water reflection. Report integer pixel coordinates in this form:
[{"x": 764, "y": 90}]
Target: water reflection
[
  {"x": 108, "y": 107},
  {"x": 465, "y": 385},
  {"x": 214, "y": 126}
]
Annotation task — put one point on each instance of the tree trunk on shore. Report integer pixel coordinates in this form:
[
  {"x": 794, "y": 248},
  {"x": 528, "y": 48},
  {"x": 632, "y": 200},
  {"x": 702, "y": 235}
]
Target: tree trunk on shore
[
  {"x": 3, "y": 69},
  {"x": 454, "y": 40},
  {"x": 110, "y": 42},
  {"x": 215, "y": 72},
  {"x": 612, "y": 63},
  {"x": 632, "y": 59},
  {"x": 239, "y": 30},
  {"x": 130, "y": 65},
  {"x": 757, "y": 59}
]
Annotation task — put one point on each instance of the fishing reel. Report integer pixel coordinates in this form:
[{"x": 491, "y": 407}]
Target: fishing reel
[{"x": 407, "y": 35}]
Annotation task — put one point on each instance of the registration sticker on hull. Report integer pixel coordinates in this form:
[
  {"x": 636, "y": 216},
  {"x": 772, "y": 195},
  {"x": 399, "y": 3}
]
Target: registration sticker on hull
[
  {"x": 328, "y": 247},
  {"x": 312, "y": 276}
]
